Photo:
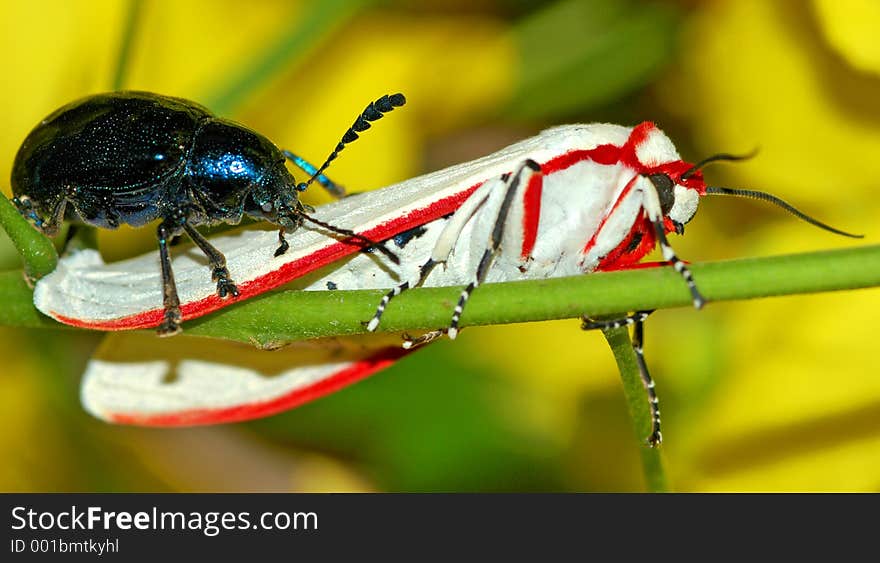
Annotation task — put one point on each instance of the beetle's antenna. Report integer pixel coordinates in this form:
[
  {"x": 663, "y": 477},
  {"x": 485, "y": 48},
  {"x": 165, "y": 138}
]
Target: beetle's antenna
[
  {"x": 332, "y": 187},
  {"x": 723, "y": 156},
  {"x": 368, "y": 242},
  {"x": 373, "y": 112},
  {"x": 713, "y": 190}
]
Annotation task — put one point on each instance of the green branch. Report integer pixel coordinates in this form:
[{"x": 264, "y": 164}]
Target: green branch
[
  {"x": 639, "y": 408},
  {"x": 283, "y": 316},
  {"x": 36, "y": 250}
]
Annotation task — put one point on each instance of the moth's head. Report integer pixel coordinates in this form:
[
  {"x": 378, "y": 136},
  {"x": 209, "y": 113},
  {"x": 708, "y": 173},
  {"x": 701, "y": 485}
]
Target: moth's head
[
  {"x": 679, "y": 184},
  {"x": 679, "y": 192}
]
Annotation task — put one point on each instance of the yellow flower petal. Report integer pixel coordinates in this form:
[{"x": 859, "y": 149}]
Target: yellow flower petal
[
  {"x": 761, "y": 76},
  {"x": 50, "y": 61},
  {"x": 850, "y": 27},
  {"x": 792, "y": 407},
  {"x": 449, "y": 69}
]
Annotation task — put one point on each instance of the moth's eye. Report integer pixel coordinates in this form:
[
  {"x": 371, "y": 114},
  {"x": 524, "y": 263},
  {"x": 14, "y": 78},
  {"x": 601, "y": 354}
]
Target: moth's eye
[
  {"x": 665, "y": 190},
  {"x": 266, "y": 207},
  {"x": 679, "y": 227}
]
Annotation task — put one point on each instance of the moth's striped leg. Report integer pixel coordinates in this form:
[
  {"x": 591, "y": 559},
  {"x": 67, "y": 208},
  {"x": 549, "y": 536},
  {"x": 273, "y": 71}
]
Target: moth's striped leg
[
  {"x": 518, "y": 184},
  {"x": 656, "y": 437},
  {"x": 651, "y": 203},
  {"x": 410, "y": 342},
  {"x": 639, "y": 316},
  {"x": 424, "y": 271},
  {"x": 442, "y": 248},
  {"x": 637, "y": 320},
  {"x": 680, "y": 267}
]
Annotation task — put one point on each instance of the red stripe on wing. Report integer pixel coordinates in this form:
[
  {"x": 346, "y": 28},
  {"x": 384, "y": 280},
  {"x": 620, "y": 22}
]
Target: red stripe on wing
[
  {"x": 531, "y": 213},
  {"x": 346, "y": 376},
  {"x": 286, "y": 273}
]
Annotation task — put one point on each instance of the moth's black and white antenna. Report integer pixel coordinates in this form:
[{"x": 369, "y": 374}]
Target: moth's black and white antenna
[
  {"x": 720, "y": 157},
  {"x": 763, "y": 196},
  {"x": 755, "y": 194}
]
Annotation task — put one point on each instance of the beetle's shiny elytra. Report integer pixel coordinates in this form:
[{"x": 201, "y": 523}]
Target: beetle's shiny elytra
[{"x": 135, "y": 157}]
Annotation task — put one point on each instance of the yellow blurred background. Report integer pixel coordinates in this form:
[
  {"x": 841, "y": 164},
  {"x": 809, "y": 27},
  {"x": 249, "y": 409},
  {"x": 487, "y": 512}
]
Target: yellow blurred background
[{"x": 768, "y": 395}]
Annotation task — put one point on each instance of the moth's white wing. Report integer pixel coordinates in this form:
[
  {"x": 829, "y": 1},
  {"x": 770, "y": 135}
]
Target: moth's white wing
[
  {"x": 85, "y": 292},
  {"x": 139, "y": 379}
]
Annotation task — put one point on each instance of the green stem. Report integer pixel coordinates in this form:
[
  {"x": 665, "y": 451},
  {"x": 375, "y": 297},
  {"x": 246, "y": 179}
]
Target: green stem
[
  {"x": 36, "y": 250},
  {"x": 17, "y": 304},
  {"x": 283, "y": 316},
  {"x": 639, "y": 408}
]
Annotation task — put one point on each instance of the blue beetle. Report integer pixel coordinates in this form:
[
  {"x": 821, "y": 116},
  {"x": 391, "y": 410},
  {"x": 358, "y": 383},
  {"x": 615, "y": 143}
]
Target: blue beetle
[{"x": 135, "y": 157}]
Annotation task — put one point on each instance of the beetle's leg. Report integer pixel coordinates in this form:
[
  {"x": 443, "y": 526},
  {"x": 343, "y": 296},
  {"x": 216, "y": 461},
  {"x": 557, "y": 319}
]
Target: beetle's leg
[
  {"x": 520, "y": 180},
  {"x": 332, "y": 187},
  {"x": 51, "y": 226},
  {"x": 637, "y": 319},
  {"x": 92, "y": 208},
  {"x": 283, "y": 245},
  {"x": 26, "y": 208},
  {"x": 293, "y": 221},
  {"x": 79, "y": 237},
  {"x": 72, "y": 231},
  {"x": 171, "y": 323},
  {"x": 220, "y": 273},
  {"x": 48, "y": 227},
  {"x": 367, "y": 243}
]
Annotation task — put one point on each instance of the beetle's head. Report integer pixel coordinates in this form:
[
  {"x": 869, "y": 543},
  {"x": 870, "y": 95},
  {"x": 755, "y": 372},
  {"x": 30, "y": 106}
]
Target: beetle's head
[
  {"x": 275, "y": 198},
  {"x": 235, "y": 170}
]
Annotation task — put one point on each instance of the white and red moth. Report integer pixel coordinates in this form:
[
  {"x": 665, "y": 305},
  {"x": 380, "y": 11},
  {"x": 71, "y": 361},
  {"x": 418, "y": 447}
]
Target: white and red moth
[{"x": 572, "y": 200}]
